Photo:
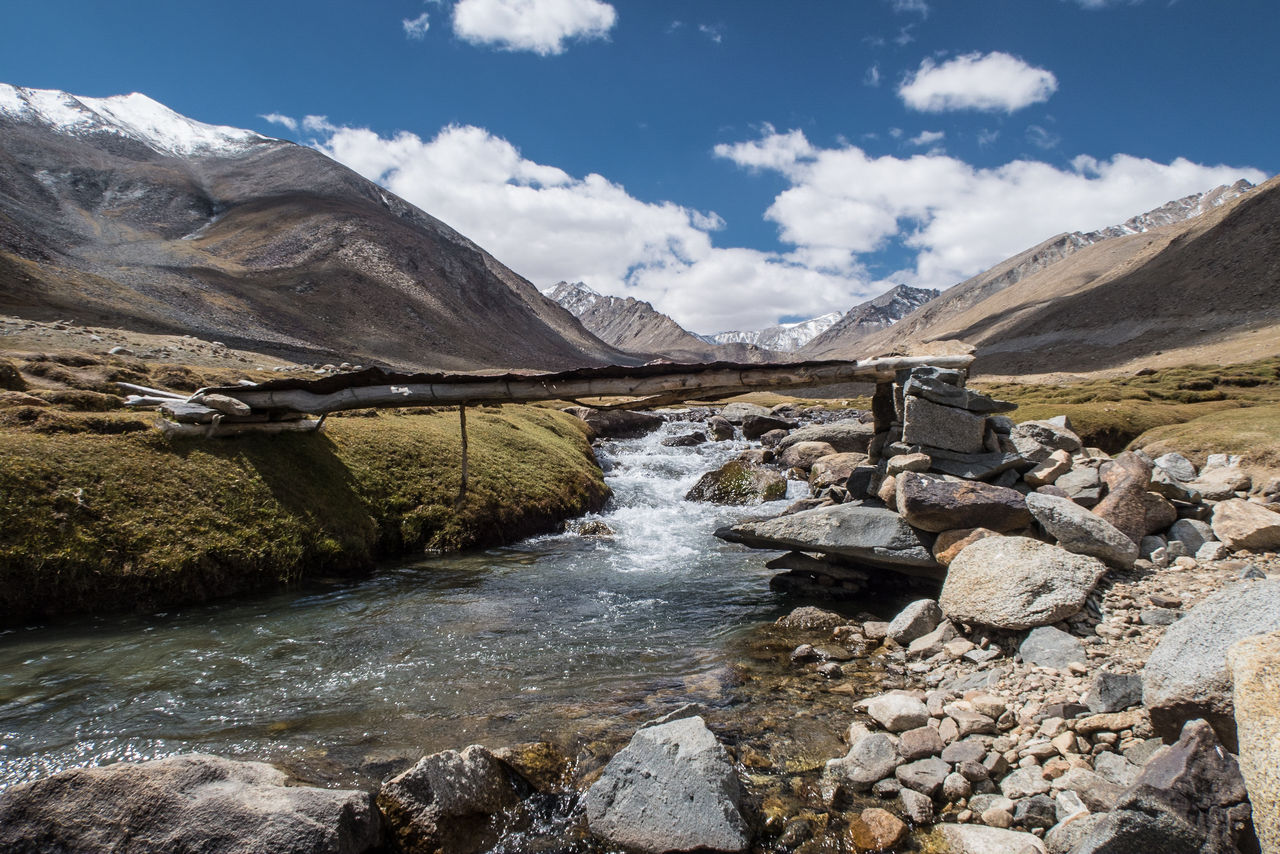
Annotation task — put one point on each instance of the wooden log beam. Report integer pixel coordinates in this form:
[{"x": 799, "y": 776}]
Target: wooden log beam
[{"x": 668, "y": 387}]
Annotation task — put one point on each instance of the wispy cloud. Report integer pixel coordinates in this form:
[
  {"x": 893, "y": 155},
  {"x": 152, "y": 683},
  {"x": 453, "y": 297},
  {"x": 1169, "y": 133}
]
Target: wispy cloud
[
  {"x": 872, "y": 77},
  {"x": 1042, "y": 137},
  {"x": 416, "y": 28},
  {"x": 928, "y": 137},
  {"x": 992, "y": 82},
  {"x": 920, "y": 7},
  {"x": 281, "y": 119},
  {"x": 715, "y": 32},
  {"x": 540, "y": 26}
]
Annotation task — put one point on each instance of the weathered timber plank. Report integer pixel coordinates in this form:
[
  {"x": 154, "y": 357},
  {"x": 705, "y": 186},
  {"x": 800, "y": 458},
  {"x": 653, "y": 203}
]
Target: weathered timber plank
[{"x": 669, "y": 386}]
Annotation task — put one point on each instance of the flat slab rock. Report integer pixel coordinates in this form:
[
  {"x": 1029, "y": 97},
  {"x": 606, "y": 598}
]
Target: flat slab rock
[
  {"x": 1186, "y": 675},
  {"x": 1017, "y": 583},
  {"x": 871, "y": 535},
  {"x": 672, "y": 788},
  {"x": 193, "y": 803}
]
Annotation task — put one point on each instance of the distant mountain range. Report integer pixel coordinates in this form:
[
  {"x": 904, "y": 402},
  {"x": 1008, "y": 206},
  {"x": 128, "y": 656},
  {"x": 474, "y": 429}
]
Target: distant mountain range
[
  {"x": 120, "y": 212},
  {"x": 783, "y": 338}
]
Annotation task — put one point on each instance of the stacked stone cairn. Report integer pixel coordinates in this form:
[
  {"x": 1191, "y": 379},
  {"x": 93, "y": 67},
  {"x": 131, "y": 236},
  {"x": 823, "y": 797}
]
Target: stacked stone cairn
[{"x": 1020, "y": 529}]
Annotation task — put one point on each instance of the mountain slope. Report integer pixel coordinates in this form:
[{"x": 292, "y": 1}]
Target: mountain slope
[
  {"x": 637, "y": 327},
  {"x": 1208, "y": 287},
  {"x": 865, "y": 318},
  {"x": 120, "y": 212}
]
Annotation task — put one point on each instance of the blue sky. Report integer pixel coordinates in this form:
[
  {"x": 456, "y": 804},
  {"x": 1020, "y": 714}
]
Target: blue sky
[{"x": 732, "y": 162}]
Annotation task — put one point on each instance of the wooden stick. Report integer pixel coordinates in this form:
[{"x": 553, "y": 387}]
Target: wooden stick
[
  {"x": 462, "y": 488},
  {"x": 151, "y": 392}
]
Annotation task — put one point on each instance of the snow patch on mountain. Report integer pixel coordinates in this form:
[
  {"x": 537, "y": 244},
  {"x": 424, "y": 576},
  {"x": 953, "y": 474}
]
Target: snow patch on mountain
[
  {"x": 134, "y": 116},
  {"x": 783, "y": 338}
]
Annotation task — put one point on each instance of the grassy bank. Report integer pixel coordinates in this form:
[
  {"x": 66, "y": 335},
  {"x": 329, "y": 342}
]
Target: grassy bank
[
  {"x": 98, "y": 512},
  {"x": 1194, "y": 409}
]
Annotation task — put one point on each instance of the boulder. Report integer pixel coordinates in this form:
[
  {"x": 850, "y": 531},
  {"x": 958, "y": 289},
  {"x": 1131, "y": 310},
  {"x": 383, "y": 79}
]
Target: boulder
[
  {"x": 871, "y": 758},
  {"x": 1255, "y": 674},
  {"x": 1177, "y": 466},
  {"x": 773, "y": 438},
  {"x": 977, "y": 839},
  {"x": 1189, "y": 798},
  {"x": 950, "y": 543},
  {"x": 875, "y": 829},
  {"x": 1114, "y": 692},
  {"x": 737, "y": 413},
  {"x": 803, "y": 455},
  {"x": 849, "y": 435},
  {"x": 931, "y": 384},
  {"x": 688, "y": 440},
  {"x": 927, "y": 423},
  {"x": 834, "y": 468},
  {"x": 897, "y": 712},
  {"x": 868, "y": 535},
  {"x": 1127, "y": 478},
  {"x": 1082, "y": 484},
  {"x": 1077, "y": 530},
  {"x": 1186, "y": 675},
  {"x": 672, "y": 788},
  {"x": 933, "y": 504},
  {"x": 925, "y": 776},
  {"x": 916, "y": 620},
  {"x": 1192, "y": 533},
  {"x": 1221, "y": 483},
  {"x": 809, "y": 618},
  {"x": 1057, "y": 437},
  {"x": 448, "y": 798},
  {"x": 920, "y": 742},
  {"x": 720, "y": 428},
  {"x": 739, "y": 482},
  {"x": 617, "y": 423},
  {"x": 1050, "y": 647},
  {"x": 191, "y": 802},
  {"x": 755, "y": 426},
  {"x": 1017, "y": 583},
  {"x": 1241, "y": 524},
  {"x": 917, "y": 462},
  {"x": 1049, "y": 470}
]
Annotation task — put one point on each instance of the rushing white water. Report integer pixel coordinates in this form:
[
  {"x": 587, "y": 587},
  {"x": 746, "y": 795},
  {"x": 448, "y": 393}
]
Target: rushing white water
[{"x": 561, "y": 636}]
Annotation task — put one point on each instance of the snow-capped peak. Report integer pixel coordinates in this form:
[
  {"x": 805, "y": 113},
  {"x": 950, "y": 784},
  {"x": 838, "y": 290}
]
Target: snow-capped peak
[
  {"x": 134, "y": 116},
  {"x": 784, "y": 337}
]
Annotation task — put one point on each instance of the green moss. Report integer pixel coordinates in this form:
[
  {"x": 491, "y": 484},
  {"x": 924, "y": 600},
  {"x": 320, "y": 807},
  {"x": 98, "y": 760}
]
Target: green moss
[
  {"x": 1111, "y": 412},
  {"x": 92, "y": 522},
  {"x": 1253, "y": 433}
]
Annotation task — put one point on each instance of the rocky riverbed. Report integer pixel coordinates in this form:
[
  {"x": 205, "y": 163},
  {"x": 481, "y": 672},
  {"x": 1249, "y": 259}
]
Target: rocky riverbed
[{"x": 1053, "y": 650}]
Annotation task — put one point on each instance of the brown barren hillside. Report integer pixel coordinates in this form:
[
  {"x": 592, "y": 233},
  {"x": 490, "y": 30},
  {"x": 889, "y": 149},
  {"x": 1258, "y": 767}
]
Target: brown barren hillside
[
  {"x": 1208, "y": 287},
  {"x": 259, "y": 243}
]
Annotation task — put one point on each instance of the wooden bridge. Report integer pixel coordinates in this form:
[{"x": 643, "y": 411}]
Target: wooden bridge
[{"x": 284, "y": 405}]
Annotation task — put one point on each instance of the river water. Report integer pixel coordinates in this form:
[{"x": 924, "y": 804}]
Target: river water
[{"x": 562, "y": 637}]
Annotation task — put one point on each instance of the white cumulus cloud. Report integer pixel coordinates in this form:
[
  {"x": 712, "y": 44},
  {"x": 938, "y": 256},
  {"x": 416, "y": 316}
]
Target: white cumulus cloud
[
  {"x": 416, "y": 28},
  {"x": 955, "y": 218},
  {"x": 993, "y": 82},
  {"x": 540, "y": 26},
  {"x": 548, "y": 225}
]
